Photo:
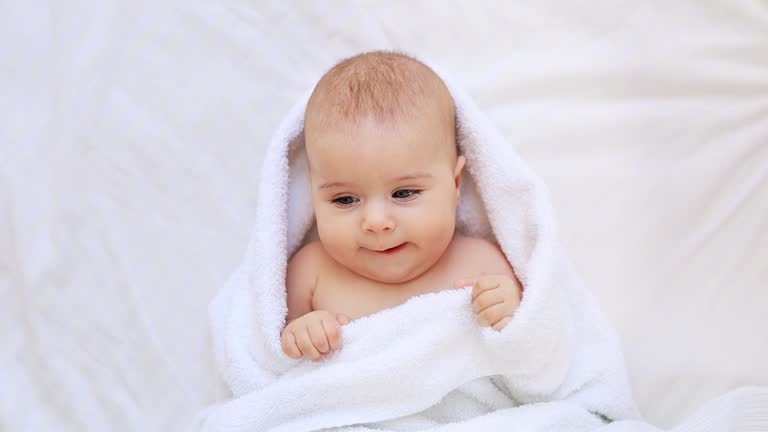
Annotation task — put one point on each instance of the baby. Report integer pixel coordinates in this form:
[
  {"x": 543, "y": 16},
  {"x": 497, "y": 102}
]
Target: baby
[{"x": 385, "y": 175}]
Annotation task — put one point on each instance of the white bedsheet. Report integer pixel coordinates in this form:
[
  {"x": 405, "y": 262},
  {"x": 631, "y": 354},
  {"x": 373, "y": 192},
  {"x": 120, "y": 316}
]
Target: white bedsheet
[{"x": 131, "y": 135}]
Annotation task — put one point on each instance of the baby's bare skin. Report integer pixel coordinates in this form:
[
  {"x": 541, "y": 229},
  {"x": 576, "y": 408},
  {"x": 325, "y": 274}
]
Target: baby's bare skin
[
  {"x": 347, "y": 293},
  {"x": 332, "y": 295}
]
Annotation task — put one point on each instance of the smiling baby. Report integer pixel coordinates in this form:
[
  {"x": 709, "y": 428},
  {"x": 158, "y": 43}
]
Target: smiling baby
[{"x": 385, "y": 175}]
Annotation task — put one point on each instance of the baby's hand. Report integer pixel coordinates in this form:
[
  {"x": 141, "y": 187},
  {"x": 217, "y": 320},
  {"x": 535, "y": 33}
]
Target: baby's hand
[
  {"x": 314, "y": 336},
  {"x": 494, "y": 299}
]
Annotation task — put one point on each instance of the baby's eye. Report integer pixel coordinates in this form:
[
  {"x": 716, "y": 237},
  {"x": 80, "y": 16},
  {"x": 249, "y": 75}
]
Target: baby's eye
[
  {"x": 405, "y": 194},
  {"x": 344, "y": 201}
]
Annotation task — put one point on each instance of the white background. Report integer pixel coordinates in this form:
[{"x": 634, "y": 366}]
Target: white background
[{"x": 131, "y": 135}]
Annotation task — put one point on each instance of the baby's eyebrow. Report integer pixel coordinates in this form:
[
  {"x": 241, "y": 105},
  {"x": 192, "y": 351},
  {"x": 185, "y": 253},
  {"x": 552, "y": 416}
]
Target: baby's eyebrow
[
  {"x": 412, "y": 176},
  {"x": 332, "y": 185}
]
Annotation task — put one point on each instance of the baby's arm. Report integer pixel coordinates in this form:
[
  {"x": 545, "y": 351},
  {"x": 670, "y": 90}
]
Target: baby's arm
[
  {"x": 496, "y": 292},
  {"x": 300, "y": 278},
  {"x": 308, "y": 333}
]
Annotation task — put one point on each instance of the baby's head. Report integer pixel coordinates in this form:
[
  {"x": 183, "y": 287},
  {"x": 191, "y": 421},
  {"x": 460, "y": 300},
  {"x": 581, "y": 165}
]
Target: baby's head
[{"x": 385, "y": 175}]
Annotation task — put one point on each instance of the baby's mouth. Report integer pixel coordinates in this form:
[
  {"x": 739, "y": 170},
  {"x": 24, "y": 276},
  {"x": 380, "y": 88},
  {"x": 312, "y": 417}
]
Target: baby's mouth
[{"x": 392, "y": 250}]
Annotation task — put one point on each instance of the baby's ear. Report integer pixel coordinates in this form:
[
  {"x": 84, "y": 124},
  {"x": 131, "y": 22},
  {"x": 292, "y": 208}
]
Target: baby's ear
[{"x": 460, "y": 162}]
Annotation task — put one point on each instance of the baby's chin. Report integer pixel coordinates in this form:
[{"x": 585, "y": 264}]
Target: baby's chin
[{"x": 393, "y": 277}]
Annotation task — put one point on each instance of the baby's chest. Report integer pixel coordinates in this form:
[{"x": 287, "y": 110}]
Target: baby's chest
[{"x": 357, "y": 297}]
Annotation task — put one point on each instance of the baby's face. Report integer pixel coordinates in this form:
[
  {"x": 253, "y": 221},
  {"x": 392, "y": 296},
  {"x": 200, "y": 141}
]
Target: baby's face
[{"x": 385, "y": 196}]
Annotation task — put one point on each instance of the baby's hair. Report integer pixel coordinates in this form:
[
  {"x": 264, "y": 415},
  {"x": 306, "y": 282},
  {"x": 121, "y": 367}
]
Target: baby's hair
[{"x": 382, "y": 84}]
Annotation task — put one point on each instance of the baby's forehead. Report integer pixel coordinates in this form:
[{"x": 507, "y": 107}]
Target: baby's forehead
[
  {"x": 331, "y": 170},
  {"x": 417, "y": 135}
]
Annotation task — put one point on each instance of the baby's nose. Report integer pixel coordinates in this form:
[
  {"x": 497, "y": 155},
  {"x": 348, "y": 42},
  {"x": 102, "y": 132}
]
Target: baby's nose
[{"x": 378, "y": 220}]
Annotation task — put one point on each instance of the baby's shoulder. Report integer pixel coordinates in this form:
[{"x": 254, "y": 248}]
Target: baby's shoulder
[
  {"x": 480, "y": 256},
  {"x": 311, "y": 255},
  {"x": 307, "y": 262}
]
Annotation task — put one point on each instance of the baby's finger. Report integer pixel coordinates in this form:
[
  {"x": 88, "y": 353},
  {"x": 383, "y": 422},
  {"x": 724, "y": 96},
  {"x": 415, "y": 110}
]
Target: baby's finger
[
  {"x": 491, "y": 315},
  {"x": 488, "y": 282},
  {"x": 487, "y": 299},
  {"x": 485, "y": 283},
  {"x": 342, "y": 319},
  {"x": 499, "y": 325},
  {"x": 289, "y": 345},
  {"x": 333, "y": 333},
  {"x": 304, "y": 341},
  {"x": 479, "y": 289},
  {"x": 317, "y": 333}
]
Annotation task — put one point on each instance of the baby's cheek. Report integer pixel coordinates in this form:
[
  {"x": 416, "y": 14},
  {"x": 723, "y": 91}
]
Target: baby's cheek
[
  {"x": 337, "y": 236},
  {"x": 438, "y": 227}
]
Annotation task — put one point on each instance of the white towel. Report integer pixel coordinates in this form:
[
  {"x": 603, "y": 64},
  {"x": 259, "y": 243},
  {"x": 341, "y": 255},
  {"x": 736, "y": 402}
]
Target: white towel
[{"x": 425, "y": 364}]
